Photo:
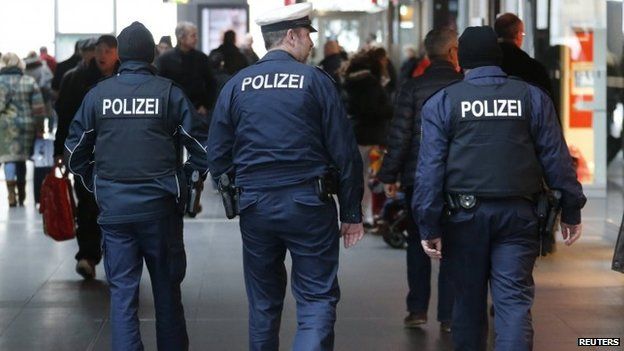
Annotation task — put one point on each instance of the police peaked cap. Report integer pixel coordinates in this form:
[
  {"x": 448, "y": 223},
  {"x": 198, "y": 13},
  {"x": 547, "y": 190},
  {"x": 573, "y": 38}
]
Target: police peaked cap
[{"x": 287, "y": 17}]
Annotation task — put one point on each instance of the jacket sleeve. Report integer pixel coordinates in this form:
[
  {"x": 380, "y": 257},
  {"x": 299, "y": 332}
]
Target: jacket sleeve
[
  {"x": 80, "y": 143},
  {"x": 428, "y": 200},
  {"x": 221, "y": 136},
  {"x": 555, "y": 158},
  {"x": 342, "y": 148},
  {"x": 190, "y": 130},
  {"x": 399, "y": 137}
]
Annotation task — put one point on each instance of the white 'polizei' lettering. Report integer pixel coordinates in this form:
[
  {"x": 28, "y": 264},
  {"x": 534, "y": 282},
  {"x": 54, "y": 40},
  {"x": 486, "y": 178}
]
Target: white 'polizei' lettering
[
  {"x": 130, "y": 106},
  {"x": 491, "y": 108},
  {"x": 273, "y": 81}
]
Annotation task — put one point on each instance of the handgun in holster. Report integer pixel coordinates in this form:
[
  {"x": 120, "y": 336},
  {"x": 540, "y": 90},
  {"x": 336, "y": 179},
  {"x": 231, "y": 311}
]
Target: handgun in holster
[
  {"x": 229, "y": 195},
  {"x": 193, "y": 207},
  {"x": 548, "y": 209},
  {"x": 327, "y": 184}
]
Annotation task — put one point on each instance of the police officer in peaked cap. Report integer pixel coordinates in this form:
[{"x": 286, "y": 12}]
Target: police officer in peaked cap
[
  {"x": 278, "y": 127},
  {"x": 489, "y": 143},
  {"x": 123, "y": 145}
]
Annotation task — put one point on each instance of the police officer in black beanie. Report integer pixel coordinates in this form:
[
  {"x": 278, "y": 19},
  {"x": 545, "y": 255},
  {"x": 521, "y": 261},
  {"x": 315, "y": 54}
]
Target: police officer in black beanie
[
  {"x": 123, "y": 145},
  {"x": 489, "y": 143}
]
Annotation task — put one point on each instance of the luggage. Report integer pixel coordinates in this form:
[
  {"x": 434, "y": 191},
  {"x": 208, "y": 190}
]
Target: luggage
[
  {"x": 57, "y": 205},
  {"x": 43, "y": 158}
]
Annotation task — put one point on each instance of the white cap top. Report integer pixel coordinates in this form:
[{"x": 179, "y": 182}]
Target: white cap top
[{"x": 290, "y": 16}]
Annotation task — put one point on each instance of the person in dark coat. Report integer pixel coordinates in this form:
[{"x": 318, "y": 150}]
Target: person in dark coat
[
  {"x": 103, "y": 62},
  {"x": 333, "y": 60},
  {"x": 370, "y": 110},
  {"x": 409, "y": 64},
  {"x": 399, "y": 164},
  {"x": 189, "y": 68},
  {"x": 64, "y": 66},
  {"x": 510, "y": 31},
  {"x": 233, "y": 58}
]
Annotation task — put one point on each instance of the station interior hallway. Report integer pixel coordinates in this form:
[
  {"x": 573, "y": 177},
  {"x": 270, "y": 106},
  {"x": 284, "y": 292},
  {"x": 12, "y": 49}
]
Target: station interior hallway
[{"x": 45, "y": 305}]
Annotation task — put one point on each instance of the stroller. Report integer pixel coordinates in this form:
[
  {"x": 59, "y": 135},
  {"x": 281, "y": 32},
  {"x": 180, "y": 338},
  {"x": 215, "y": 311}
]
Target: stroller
[{"x": 392, "y": 222}]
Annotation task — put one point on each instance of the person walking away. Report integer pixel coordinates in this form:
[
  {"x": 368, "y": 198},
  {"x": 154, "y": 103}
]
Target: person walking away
[
  {"x": 489, "y": 143},
  {"x": 279, "y": 141},
  {"x": 399, "y": 167},
  {"x": 127, "y": 156}
]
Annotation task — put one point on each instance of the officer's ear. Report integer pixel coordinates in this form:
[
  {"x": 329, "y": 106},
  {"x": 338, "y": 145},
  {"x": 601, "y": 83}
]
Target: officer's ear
[{"x": 291, "y": 36}]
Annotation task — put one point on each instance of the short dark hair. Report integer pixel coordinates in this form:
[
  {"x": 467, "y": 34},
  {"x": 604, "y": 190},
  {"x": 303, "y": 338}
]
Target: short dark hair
[
  {"x": 437, "y": 42},
  {"x": 107, "y": 40},
  {"x": 229, "y": 37},
  {"x": 507, "y": 26}
]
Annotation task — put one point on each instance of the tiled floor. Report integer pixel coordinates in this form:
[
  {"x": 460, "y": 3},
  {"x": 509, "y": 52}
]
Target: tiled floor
[{"x": 44, "y": 305}]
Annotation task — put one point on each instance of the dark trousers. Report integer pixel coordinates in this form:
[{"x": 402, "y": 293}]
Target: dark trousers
[
  {"x": 160, "y": 243},
  {"x": 495, "y": 242},
  {"x": 292, "y": 219},
  {"x": 419, "y": 273},
  {"x": 88, "y": 233}
]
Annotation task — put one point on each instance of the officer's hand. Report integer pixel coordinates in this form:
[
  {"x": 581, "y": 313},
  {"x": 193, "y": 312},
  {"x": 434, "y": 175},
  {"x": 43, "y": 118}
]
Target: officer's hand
[
  {"x": 351, "y": 233},
  {"x": 433, "y": 247},
  {"x": 391, "y": 190},
  {"x": 571, "y": 232}
]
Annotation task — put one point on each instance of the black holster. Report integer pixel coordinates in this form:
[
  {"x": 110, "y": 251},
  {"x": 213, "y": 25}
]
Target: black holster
[
  {"x": 548, "y": 209},
  {"x": 195, "y": 189},
  {"x": 327, "y": 184},
  {"x": 229, "y": 196}
]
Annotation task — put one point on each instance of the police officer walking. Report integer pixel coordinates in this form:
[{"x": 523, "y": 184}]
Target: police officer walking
[
  {"x": 278, "y": 127},
  {"x": 123, "y": 146},
  {"x": 489, "y": 143}
]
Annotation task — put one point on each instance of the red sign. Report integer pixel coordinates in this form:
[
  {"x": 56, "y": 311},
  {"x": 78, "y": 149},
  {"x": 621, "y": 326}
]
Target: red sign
[
  {"x": 289, "y": 2},
  {"x": 581, "y": 83}
]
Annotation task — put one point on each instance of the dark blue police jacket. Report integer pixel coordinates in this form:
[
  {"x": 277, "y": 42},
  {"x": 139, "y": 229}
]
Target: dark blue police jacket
[
  {"x": 550, "y": 146},
  {"x": 140, "y": 187},
  {"x": 280, "y": 122}
]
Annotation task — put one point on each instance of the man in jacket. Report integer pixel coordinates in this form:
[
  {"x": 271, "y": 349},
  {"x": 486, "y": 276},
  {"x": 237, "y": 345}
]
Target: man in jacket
[
  {"x": 400, "y": 161},
  {"x": 190, "y": 69},
  {"x": 516, "y": 62},
  {"x": 123, "y": 146},
  {"x": 233, "y": 59},
  {"x": 102, "y": 62}
]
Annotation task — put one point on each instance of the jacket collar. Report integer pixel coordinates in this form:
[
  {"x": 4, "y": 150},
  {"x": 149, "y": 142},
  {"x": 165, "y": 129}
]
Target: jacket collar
[
  {"x": 277, "y": 55},
  {"x": 484, "y": 72},
  {"x": 441, "y": 64},
  {"x": 136, "y": 67}
]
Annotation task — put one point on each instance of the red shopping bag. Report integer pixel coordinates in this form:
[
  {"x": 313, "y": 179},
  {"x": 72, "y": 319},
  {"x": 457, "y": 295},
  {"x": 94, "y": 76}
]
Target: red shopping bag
[{"x": 57, "y": 205}]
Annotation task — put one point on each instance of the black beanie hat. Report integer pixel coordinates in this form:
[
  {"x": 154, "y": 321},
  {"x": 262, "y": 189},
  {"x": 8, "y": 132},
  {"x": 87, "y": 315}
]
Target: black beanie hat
[
  {"x": 135, "y": 43},
  {"x": 478, "y": 46}
]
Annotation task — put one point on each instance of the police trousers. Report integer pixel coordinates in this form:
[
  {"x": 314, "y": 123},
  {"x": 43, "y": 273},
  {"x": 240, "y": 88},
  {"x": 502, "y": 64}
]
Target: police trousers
[
  {"x": 294, "y": 219},
  {"x": 497, "y": 243},
  {"x": 160, "y": 244}
]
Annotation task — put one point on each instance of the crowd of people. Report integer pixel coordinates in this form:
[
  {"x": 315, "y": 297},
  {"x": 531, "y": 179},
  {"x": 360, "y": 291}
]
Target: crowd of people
[{"x": 384, "y": 111}]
